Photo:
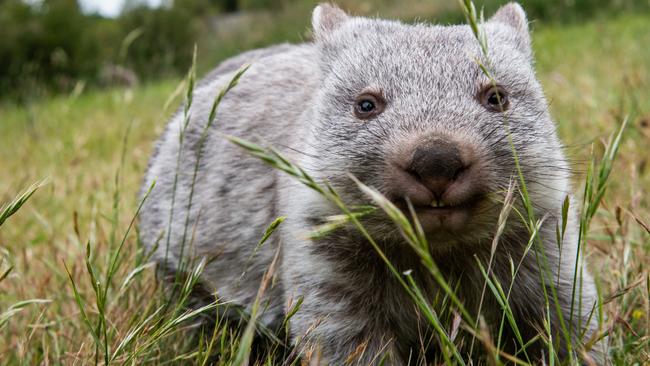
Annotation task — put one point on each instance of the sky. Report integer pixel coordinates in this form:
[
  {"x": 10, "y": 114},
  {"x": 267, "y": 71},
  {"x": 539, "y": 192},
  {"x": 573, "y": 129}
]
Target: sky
[{"x": 109, "y": 8}]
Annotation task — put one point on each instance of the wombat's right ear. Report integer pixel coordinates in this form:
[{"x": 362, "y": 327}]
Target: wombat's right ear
[
  {"x": 325, "y": 19},
  {"x": 513, "y": 15}
]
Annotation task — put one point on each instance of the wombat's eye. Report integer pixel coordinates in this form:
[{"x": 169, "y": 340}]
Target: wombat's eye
[
  {"x": 494, "y": 98},
  {"x": 367, "y": 106}
]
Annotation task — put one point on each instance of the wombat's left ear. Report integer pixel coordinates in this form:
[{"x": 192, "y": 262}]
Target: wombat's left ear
[
  {"x": 513, "y": 15},
  {"x": 325, "y": 19}
]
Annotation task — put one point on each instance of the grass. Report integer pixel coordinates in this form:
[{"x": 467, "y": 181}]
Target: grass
[{"x": 91, "y": 149}]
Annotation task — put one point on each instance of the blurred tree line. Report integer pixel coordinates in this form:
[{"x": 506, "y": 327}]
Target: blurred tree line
[{"x": 51, "y": 45}]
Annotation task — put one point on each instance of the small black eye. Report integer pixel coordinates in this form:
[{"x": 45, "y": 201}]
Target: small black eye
[
  {"x": 368, "y": 105},
  {"x": 495, "y": 98}
]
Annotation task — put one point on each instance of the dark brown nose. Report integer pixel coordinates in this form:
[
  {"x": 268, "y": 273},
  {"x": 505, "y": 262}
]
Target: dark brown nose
[{"x": 437, "y": 163}]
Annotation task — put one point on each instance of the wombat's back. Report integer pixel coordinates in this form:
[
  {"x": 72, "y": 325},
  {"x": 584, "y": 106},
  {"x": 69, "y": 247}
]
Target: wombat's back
[{"x": 222, "y": 216}]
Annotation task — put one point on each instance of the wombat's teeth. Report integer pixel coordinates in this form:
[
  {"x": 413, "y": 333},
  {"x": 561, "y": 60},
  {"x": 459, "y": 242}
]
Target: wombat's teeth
[{"x": 438, "y": 204}]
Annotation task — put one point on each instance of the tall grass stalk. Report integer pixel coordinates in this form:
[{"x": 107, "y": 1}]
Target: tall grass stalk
[
  {"x": 6, "y": 211},
  {"x": 161, "y": 321},
  {"x": 275, "y": 159},
  {"x": 189, "y": 97},
  {"x": 529, "y": 220},
  {"x": 11, "y": 208},
  {"x": 199, "y": 154}
]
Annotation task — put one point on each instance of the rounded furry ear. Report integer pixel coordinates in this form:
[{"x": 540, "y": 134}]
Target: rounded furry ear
[
  {"x": 326, "y": 18},
  {"x": 513, "y": 15}
]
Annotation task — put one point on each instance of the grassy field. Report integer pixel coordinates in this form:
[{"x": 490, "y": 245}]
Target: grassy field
[{"x": 90, "y": 151}]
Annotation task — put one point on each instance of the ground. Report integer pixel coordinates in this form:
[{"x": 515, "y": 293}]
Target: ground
[{"x": 90, "y": 150}]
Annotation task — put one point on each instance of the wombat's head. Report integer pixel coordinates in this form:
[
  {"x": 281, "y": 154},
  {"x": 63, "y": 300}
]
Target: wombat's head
[{"x": 409, "y": 110}]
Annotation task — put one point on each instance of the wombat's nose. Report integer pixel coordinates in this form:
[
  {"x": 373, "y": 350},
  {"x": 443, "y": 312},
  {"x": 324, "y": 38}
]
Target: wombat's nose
[{"x": 437, "y": 163}]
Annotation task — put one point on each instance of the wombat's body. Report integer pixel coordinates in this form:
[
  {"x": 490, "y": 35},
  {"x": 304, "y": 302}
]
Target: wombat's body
[{"x": 301, "y": 100}]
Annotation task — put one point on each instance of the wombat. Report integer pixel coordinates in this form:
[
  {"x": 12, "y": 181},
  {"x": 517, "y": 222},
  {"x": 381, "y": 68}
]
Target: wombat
[{"x": 408, "y": 110}]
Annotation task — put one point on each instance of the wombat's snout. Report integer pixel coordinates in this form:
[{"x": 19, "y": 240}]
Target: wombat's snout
[
  {"x": 440, "y": 176},
  {"x": 437, "y": 164}
]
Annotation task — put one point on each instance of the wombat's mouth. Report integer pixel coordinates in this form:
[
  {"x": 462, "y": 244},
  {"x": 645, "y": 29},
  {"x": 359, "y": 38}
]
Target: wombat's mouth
[{"x": 443, "y": 217}]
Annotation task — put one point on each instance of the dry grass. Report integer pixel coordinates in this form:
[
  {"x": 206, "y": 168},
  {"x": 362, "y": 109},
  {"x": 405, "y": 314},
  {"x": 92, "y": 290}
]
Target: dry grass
[{"x": 595, "y": 74}]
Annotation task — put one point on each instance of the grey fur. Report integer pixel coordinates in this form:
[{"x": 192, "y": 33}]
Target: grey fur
[{"x": 298, "y": 98}]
